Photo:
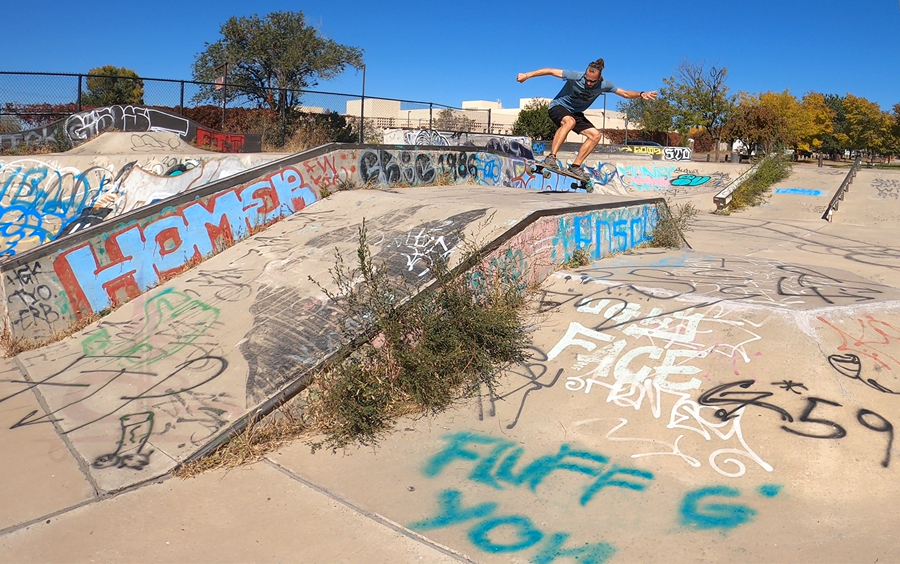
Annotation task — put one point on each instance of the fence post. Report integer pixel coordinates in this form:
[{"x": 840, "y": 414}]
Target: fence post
[
  {"x": 78, "y": 104},
  {"x": 362, "y": 110},
  {"x": 430, "y": 110},
  {"x": 489, "y": 121},
  {"x": 181, "y": 103},
  {"x": 283, "y": 116}
]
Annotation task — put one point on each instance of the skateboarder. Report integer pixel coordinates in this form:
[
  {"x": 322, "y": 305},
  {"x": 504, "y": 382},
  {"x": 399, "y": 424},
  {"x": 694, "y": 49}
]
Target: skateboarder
[{"x": 567, "y": 108}]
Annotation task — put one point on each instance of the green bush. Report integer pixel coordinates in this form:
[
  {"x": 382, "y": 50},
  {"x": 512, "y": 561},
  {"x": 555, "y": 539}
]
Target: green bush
[
  {"x": 423, "y": 350},
  {"x": 753, "y": 191},
  {"x": 674, "y": 221}
]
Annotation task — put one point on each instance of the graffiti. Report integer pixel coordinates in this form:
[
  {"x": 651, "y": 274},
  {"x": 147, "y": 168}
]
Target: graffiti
[
  {"x": 511, "y": 147},
  {"x": 137, "y": 256},
  {"x": 689, "y": 180},
  {"x": 385, "y": 167},
  {"x": 492, "y": 464},
  {"x": 806, "y": 426},
  {"x": 538, "y": 148},
  {"x": 38, "y": 200},
  {"x": 887, "y": 188},
  {"x": 695, "y": 513},
  {"x": 658, "y": 375},
  {"x": 849, "y": 365},
  {"x": 514, "y": 146},
  {"x": 89, "y": 217},
  {"x": 225, "y": 142},
  {"x": 136, "y": 429},
  {"x": 290, "y": 334},
  {"x": 325, "y": 173},
  {"x": 489, "y": 168},
  {"x": 642, "y": 149},
  {"x": 532, "y": 372},
  {"x": 677, "y": 153},
  {"x": 497, "y": 466},
  {"x": 30, "y": 299},
  {"x": 646, "y": 178},
  {"x": 605, "y": 232},
  {"x": 521, "y": 532},
  {"x": 750, "y": 280},
  {"x": 798, "y": 191},
  {"x": 604, "y": 173},
  {"x": 80, "y": 127},
  {"x": 875, "y": 339}
]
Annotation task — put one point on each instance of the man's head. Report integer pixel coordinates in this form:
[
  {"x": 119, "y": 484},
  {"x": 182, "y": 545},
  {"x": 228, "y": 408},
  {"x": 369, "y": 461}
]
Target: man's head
[{"x": 593, "y": 73}]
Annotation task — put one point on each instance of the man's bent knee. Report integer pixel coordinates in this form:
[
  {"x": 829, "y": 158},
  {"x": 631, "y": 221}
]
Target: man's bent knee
[{"x": 592, "y": 135}]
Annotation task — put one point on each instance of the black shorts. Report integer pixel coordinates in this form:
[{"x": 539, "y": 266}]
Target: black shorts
[{"x": 557, "y": 113}]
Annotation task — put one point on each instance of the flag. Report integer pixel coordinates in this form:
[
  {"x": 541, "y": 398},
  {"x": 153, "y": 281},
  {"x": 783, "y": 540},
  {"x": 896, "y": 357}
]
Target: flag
[{"x": 220, "y": 82}]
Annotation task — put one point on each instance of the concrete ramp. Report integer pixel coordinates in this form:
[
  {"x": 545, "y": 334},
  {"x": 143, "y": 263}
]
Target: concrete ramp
[
  {"x": 873, "y": 200},
  {"x": 168, "y": 373},
  {"x": 802, "y": 196}
]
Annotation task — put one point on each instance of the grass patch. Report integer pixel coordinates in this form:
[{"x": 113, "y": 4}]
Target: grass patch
[
  {"x": 257, "y": 440},
  {"x": 754, "y": 190},
  {"x": 12, "y": 345},
  {"x": 674, "y": 221},
  {"x": 579, "y": 258}
]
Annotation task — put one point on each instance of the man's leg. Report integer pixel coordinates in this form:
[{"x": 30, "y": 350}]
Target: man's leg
[
  {"x": 593, "y": 138},
  {"x": 562, "y": 132}
]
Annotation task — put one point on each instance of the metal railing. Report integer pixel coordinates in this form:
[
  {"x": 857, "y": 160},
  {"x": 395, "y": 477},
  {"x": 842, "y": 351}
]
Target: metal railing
[
  {"x": 34, "y": 99},
  {"x": 843, "y": 189}
]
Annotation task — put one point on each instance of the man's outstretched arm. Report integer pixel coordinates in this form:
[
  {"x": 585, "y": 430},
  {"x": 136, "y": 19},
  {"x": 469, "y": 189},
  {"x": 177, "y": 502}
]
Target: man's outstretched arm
[
  {"x": 631, "y": 94},
  {"x": 523, "y": 76}
]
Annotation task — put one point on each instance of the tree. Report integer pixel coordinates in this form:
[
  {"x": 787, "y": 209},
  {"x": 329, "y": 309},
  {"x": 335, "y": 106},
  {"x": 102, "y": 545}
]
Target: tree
[
  {"x": 448, "y": 120},
  {"x": 699, "y": 98},
  {"x": 534, "y": 121},
  {"x": 270, "y": 60},
  {"x": 868, "y": 128},
  {"x": 653, "y": 116},
  {"x": 895, "y": 130},
  {"x": 816, "y": 122},
  {"x": 835, "y": 142},
  {"x": 111, "y": 85}
]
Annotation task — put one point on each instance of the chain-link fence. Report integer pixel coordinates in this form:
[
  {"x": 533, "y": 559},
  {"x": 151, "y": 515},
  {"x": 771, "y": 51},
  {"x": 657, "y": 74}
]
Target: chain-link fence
[{"x": 286, "y": 119}]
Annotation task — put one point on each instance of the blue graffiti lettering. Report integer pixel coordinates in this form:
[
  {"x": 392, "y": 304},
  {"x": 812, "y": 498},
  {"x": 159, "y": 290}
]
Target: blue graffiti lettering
[{"x": 498, "y": 465}]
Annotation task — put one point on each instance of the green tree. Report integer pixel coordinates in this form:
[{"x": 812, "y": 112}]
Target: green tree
[
  {"x": 269, "y": 60},
  {"x": 111, "y": 85},
  {"x": 699, "y": 97},
  {"x": 534, "y": 121},
  {"x": 653, "y": 116},
  {"x": 835, "y": 142}
]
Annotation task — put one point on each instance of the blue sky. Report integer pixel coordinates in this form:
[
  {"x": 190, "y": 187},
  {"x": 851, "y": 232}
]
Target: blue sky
[{"x": 447, "y": 52}]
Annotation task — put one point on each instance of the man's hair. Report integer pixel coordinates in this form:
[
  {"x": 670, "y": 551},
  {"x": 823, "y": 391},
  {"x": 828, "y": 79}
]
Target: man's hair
[{"x": 597, "y": 65}]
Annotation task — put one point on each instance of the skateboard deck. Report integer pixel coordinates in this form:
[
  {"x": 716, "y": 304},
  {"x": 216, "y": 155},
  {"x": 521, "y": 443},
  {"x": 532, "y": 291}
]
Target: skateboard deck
[{"x": 545, "y": 170}]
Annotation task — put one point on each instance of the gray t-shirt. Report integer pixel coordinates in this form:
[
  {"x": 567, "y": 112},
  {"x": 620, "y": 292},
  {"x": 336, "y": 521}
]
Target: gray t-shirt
[{"x": 575, "y": 96}]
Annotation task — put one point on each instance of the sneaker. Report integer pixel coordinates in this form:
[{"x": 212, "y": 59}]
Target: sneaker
[
  {"x": 576, "y": 170},
  {"x": 551, "y": 160}
]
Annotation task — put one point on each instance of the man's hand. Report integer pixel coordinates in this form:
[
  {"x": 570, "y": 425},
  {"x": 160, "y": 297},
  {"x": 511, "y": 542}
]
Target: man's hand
[
  {"x": 522, "y": 77},
  {"x": 649, "y": 95}
]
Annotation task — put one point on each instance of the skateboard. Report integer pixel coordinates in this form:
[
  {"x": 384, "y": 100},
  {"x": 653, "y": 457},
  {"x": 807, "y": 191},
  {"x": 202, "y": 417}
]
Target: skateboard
[{"x": 545, "y": 170}]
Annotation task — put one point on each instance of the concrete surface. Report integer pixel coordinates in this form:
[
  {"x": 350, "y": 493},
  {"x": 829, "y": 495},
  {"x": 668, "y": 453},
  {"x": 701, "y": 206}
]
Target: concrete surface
[{"x": 734, "y": 402}]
